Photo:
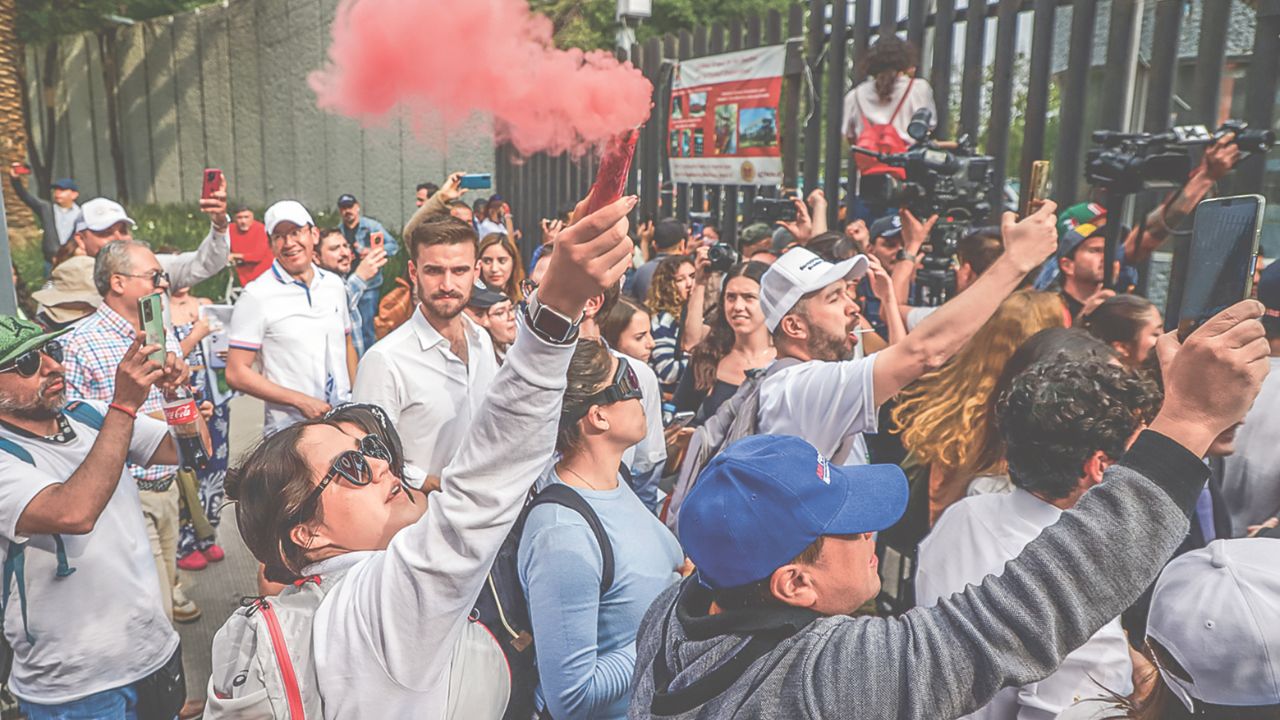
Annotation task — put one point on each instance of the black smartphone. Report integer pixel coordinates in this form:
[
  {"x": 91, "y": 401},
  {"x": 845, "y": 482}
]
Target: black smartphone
[
  {"x": 772, "y": 210},
  {"x": 1219, "y": 264}
]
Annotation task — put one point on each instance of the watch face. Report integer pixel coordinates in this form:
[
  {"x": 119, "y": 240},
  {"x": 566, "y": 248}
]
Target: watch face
[{"x": 550, "y": 323}]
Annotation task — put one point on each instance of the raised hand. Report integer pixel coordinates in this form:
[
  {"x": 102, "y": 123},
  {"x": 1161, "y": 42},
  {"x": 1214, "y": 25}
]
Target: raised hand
[
  {"x": 135, "y": 375},
  {"x": 590, "y": 255},
  {"x": 451, "y": 189},
  {"x": 1212, "y": 378},
  {"x": 914, "y": 232},
  {"x": 802, "y": 228},
  {"x": 1028, "y": 242},
  {"x": 215, "y": 206},
  {"x": 373, "y": 260}
]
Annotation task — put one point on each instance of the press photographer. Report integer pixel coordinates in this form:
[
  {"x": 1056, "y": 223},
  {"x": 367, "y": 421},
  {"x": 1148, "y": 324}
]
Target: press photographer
[
  {"x": 1122, "y": 164},
  {"x": 949, "y": 180}
]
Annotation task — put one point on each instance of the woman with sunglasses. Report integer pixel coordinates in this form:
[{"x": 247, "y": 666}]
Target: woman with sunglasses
[
  {"x": 401, "y": 577},
  {"x": 585, "y": 639}
]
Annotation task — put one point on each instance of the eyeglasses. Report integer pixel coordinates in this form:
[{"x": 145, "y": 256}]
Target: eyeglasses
[
  {"x": 625, "y": 386},
  {"x": 352, "y": 466},
  {"x": 159, "y": 278},
  {"x": 28, "y": 363},
  {"x": 501, "y": 312}
]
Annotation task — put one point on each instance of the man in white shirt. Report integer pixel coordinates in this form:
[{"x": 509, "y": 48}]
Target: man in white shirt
[
  {"x": 86, "y": 620},
  {"x": 294, "y": 319},
  {"x": 105, "y": 220},
  {"x": 1065, "y": 422},
  {"x": 814, "y": 391},
  {"x": 431, "y": 373},
  {"x": 1249, "y": 485}
]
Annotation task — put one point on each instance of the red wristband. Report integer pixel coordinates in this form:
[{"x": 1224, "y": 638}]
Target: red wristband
[{"x": 117, "y": 406}]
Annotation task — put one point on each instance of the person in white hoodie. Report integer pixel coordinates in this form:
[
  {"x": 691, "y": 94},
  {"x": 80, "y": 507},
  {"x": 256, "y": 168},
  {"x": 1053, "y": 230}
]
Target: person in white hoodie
[{"x": 404, "y": 573}]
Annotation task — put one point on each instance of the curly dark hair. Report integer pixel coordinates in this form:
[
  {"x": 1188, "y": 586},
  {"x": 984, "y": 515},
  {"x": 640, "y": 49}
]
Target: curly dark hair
[
  {"x": 888, "y": 57},
  {"x": 1057, "y": 414}
]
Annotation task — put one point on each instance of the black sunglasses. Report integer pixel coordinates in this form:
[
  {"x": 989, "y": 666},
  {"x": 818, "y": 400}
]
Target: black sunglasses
[
  {"x": 625, "y": 386},
  {"x": 28, "y": 363},
  {"x": 350, "y": 465}
]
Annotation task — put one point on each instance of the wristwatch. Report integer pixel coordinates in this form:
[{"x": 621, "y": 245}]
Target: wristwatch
[
  {"x": 904, "y": 255},
  {"x": 549, "y": 324}
]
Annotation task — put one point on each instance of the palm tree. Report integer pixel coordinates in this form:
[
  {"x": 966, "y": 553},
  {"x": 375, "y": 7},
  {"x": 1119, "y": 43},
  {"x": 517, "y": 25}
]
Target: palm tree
[{"x": 13, "y": 132}]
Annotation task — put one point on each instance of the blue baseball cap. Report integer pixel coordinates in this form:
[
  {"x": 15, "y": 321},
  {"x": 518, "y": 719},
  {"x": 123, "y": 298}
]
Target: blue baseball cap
[
  {"x": 65, "y": 184},
  {"x": 763, "y": 500}
]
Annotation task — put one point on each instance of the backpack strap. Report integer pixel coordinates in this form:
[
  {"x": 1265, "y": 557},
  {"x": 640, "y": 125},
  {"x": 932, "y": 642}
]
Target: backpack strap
[
  {"x": 560, "y": 494},
  {"x": 84, "y": 413},
  {"x": 894, "y": 116}
]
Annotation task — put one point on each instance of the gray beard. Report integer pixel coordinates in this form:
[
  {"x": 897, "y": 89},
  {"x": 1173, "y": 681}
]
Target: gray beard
[{"x": 38, "y": 408}]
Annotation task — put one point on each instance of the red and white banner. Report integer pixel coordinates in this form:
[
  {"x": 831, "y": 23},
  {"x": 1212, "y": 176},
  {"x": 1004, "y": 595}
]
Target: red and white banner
[{"x": 723, "y": 127}]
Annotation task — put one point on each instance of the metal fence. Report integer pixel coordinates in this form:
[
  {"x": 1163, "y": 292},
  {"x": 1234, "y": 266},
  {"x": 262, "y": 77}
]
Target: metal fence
[{"x": 1088, "y": 49}]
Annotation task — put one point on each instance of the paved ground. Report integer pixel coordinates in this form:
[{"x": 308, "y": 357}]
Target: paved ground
[{"x": 218, "y": 588}]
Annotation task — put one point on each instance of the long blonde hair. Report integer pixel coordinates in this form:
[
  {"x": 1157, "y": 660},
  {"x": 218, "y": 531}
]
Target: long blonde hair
[{"x": 941, "y": 415}]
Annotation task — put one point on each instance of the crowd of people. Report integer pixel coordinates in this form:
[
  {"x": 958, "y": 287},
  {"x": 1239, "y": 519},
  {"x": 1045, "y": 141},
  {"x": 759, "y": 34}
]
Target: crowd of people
[{"x": 622, "y": 479}]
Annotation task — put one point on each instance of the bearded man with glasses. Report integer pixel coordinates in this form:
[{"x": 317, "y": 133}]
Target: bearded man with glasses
[{"x": 87, "y": 620}]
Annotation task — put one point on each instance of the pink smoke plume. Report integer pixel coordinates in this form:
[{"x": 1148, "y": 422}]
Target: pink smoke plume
[{"x": 493, "y": 56}]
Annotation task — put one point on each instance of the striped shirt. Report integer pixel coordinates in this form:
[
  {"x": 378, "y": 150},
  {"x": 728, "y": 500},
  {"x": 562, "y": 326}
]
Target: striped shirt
[
  {"x": 92, "y": 352},
  {"x": 667, "y": 360}
]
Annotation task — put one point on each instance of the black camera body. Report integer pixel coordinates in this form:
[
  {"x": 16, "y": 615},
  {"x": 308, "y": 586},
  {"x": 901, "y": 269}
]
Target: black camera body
[
  {"x": 721, "y": 257},
  {"x": 1131, "y": 162},
  {"x": 773, "y": 210},
  {"x": 949, "y": 183}
]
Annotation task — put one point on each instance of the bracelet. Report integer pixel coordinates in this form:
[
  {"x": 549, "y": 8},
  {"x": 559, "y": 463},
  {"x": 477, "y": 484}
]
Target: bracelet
[{"x": 117, "y": 406}]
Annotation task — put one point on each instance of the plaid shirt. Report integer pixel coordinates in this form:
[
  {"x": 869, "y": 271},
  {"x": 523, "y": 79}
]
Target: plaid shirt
[{"x": 92, "y": 351}]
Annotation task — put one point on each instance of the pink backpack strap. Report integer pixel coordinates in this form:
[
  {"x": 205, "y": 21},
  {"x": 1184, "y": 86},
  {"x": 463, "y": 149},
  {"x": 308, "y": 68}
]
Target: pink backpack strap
[{"x": 901, "y": 101}]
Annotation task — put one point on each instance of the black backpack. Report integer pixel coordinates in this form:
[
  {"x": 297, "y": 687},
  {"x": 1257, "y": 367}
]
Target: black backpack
[{"x": 503, "y": 608}]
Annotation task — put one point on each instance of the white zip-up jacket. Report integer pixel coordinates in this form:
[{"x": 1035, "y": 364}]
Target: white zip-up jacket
[{"x": 384, "y": 634}]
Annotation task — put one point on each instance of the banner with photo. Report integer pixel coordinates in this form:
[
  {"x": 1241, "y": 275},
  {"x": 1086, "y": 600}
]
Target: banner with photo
[{"x": 723, "y": 127}]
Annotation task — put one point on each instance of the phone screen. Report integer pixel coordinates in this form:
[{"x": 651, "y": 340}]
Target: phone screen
[
  {"x": 151, "y": 313},
  {"x": 1219, "y": 267}
]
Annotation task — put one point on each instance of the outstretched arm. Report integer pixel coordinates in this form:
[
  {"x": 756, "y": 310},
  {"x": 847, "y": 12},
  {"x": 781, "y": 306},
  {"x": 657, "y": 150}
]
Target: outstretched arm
[{"x": 424, "y": 585}]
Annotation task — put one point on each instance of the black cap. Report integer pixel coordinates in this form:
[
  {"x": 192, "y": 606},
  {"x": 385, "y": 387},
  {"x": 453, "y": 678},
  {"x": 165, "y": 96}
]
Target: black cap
[
  {"x": 484, "y": 297},
  {"x": 668, "y": 233},
  {"x": 346, "y": 200},
  {"x": 886, "y": 227}
]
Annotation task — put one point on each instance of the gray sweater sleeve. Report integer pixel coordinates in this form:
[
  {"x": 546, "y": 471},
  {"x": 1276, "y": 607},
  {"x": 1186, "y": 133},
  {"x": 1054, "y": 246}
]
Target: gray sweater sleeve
[{"x": 1081, "y": 572}]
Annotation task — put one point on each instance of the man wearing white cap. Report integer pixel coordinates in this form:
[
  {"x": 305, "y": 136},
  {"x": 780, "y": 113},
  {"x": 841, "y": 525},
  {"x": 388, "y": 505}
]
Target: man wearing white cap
[
  {"x": 815, "y": 391},
  {"x": 295, "y": 319},
  {"x": 104, "y": 220}
]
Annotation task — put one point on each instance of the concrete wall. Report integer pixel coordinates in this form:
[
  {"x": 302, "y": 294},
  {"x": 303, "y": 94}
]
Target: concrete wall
[{"x": 225, "y": 86}]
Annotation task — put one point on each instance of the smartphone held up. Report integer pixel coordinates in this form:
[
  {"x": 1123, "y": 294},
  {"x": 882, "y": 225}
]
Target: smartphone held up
[{"x": 1218, "y": 267}]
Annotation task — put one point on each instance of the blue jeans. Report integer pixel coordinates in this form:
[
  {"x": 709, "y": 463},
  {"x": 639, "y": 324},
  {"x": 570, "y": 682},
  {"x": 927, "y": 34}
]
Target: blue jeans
[
  {"x": 368, "y": 308},
  {"x": 115, "y": 704}
]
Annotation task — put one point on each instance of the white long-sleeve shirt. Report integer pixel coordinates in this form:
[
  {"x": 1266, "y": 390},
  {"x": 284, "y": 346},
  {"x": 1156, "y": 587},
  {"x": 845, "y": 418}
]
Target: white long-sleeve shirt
[
  {"x": 975, "y": 538},
  {"x": 190, "y": 268},
  {"x": 384, "y": 635}
]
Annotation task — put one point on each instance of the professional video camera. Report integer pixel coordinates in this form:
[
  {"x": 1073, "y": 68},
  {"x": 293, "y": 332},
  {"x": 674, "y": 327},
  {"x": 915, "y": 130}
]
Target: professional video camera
[
  {"x": 1130, "y": 162},
  {"x": 947, "y": 179}
]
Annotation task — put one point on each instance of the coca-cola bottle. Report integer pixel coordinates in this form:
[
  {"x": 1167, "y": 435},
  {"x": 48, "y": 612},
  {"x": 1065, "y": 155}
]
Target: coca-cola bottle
[{"x": 181, "y": 413}]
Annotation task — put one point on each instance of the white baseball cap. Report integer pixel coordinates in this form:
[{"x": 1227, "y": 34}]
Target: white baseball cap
[
  {"x": 1217, "y": 611},
  {"x": 287, "y": 211},
  {"x": 797, "y": 273},
  {"x": 100, "y": 214}
]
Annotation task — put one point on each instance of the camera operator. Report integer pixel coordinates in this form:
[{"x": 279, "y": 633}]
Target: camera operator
[
  {"x": 975, "y": 252},
  {"x": 1218, "y": 160}
]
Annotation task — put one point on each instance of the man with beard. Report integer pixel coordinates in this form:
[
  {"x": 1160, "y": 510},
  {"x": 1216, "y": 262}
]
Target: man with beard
[
  {"x": 87, "y": 622},
  {"x": 294, "y": 319},
  {"x": 431, "y": 373},
  {"x": 334, "y": 254},
  {"x": 813, "y": 390}
]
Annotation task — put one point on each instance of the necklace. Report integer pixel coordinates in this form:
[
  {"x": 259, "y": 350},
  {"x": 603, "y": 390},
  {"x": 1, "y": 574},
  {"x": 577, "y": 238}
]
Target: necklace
[{"x": 568, "y": 469}]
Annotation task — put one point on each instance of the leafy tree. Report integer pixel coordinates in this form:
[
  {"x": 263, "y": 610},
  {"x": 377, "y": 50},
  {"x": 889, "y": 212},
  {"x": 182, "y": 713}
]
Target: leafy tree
[{"x": 590, "y": 24}]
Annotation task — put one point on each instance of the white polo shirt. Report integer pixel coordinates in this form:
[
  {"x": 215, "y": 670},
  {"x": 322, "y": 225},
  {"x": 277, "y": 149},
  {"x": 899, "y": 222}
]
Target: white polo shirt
[
  {"x": 103, "y": 626},
  {"x": 828, "y": 404},
  {"x": 975, "y": 538},
  {"x": 300, "y": 334},
  {"x": 428, "y": 392}
]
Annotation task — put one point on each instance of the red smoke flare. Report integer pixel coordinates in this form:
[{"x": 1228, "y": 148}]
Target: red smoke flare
[{"x": 493, "y": 56}]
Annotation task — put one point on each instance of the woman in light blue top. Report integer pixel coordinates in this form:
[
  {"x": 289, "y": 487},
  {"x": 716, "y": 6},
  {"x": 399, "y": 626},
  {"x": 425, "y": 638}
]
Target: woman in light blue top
[{"x": 585, "y": 641}]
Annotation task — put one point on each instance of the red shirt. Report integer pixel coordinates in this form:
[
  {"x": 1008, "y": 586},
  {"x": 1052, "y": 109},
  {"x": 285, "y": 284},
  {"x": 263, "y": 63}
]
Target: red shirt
[{"x": 254, "y": 247}]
